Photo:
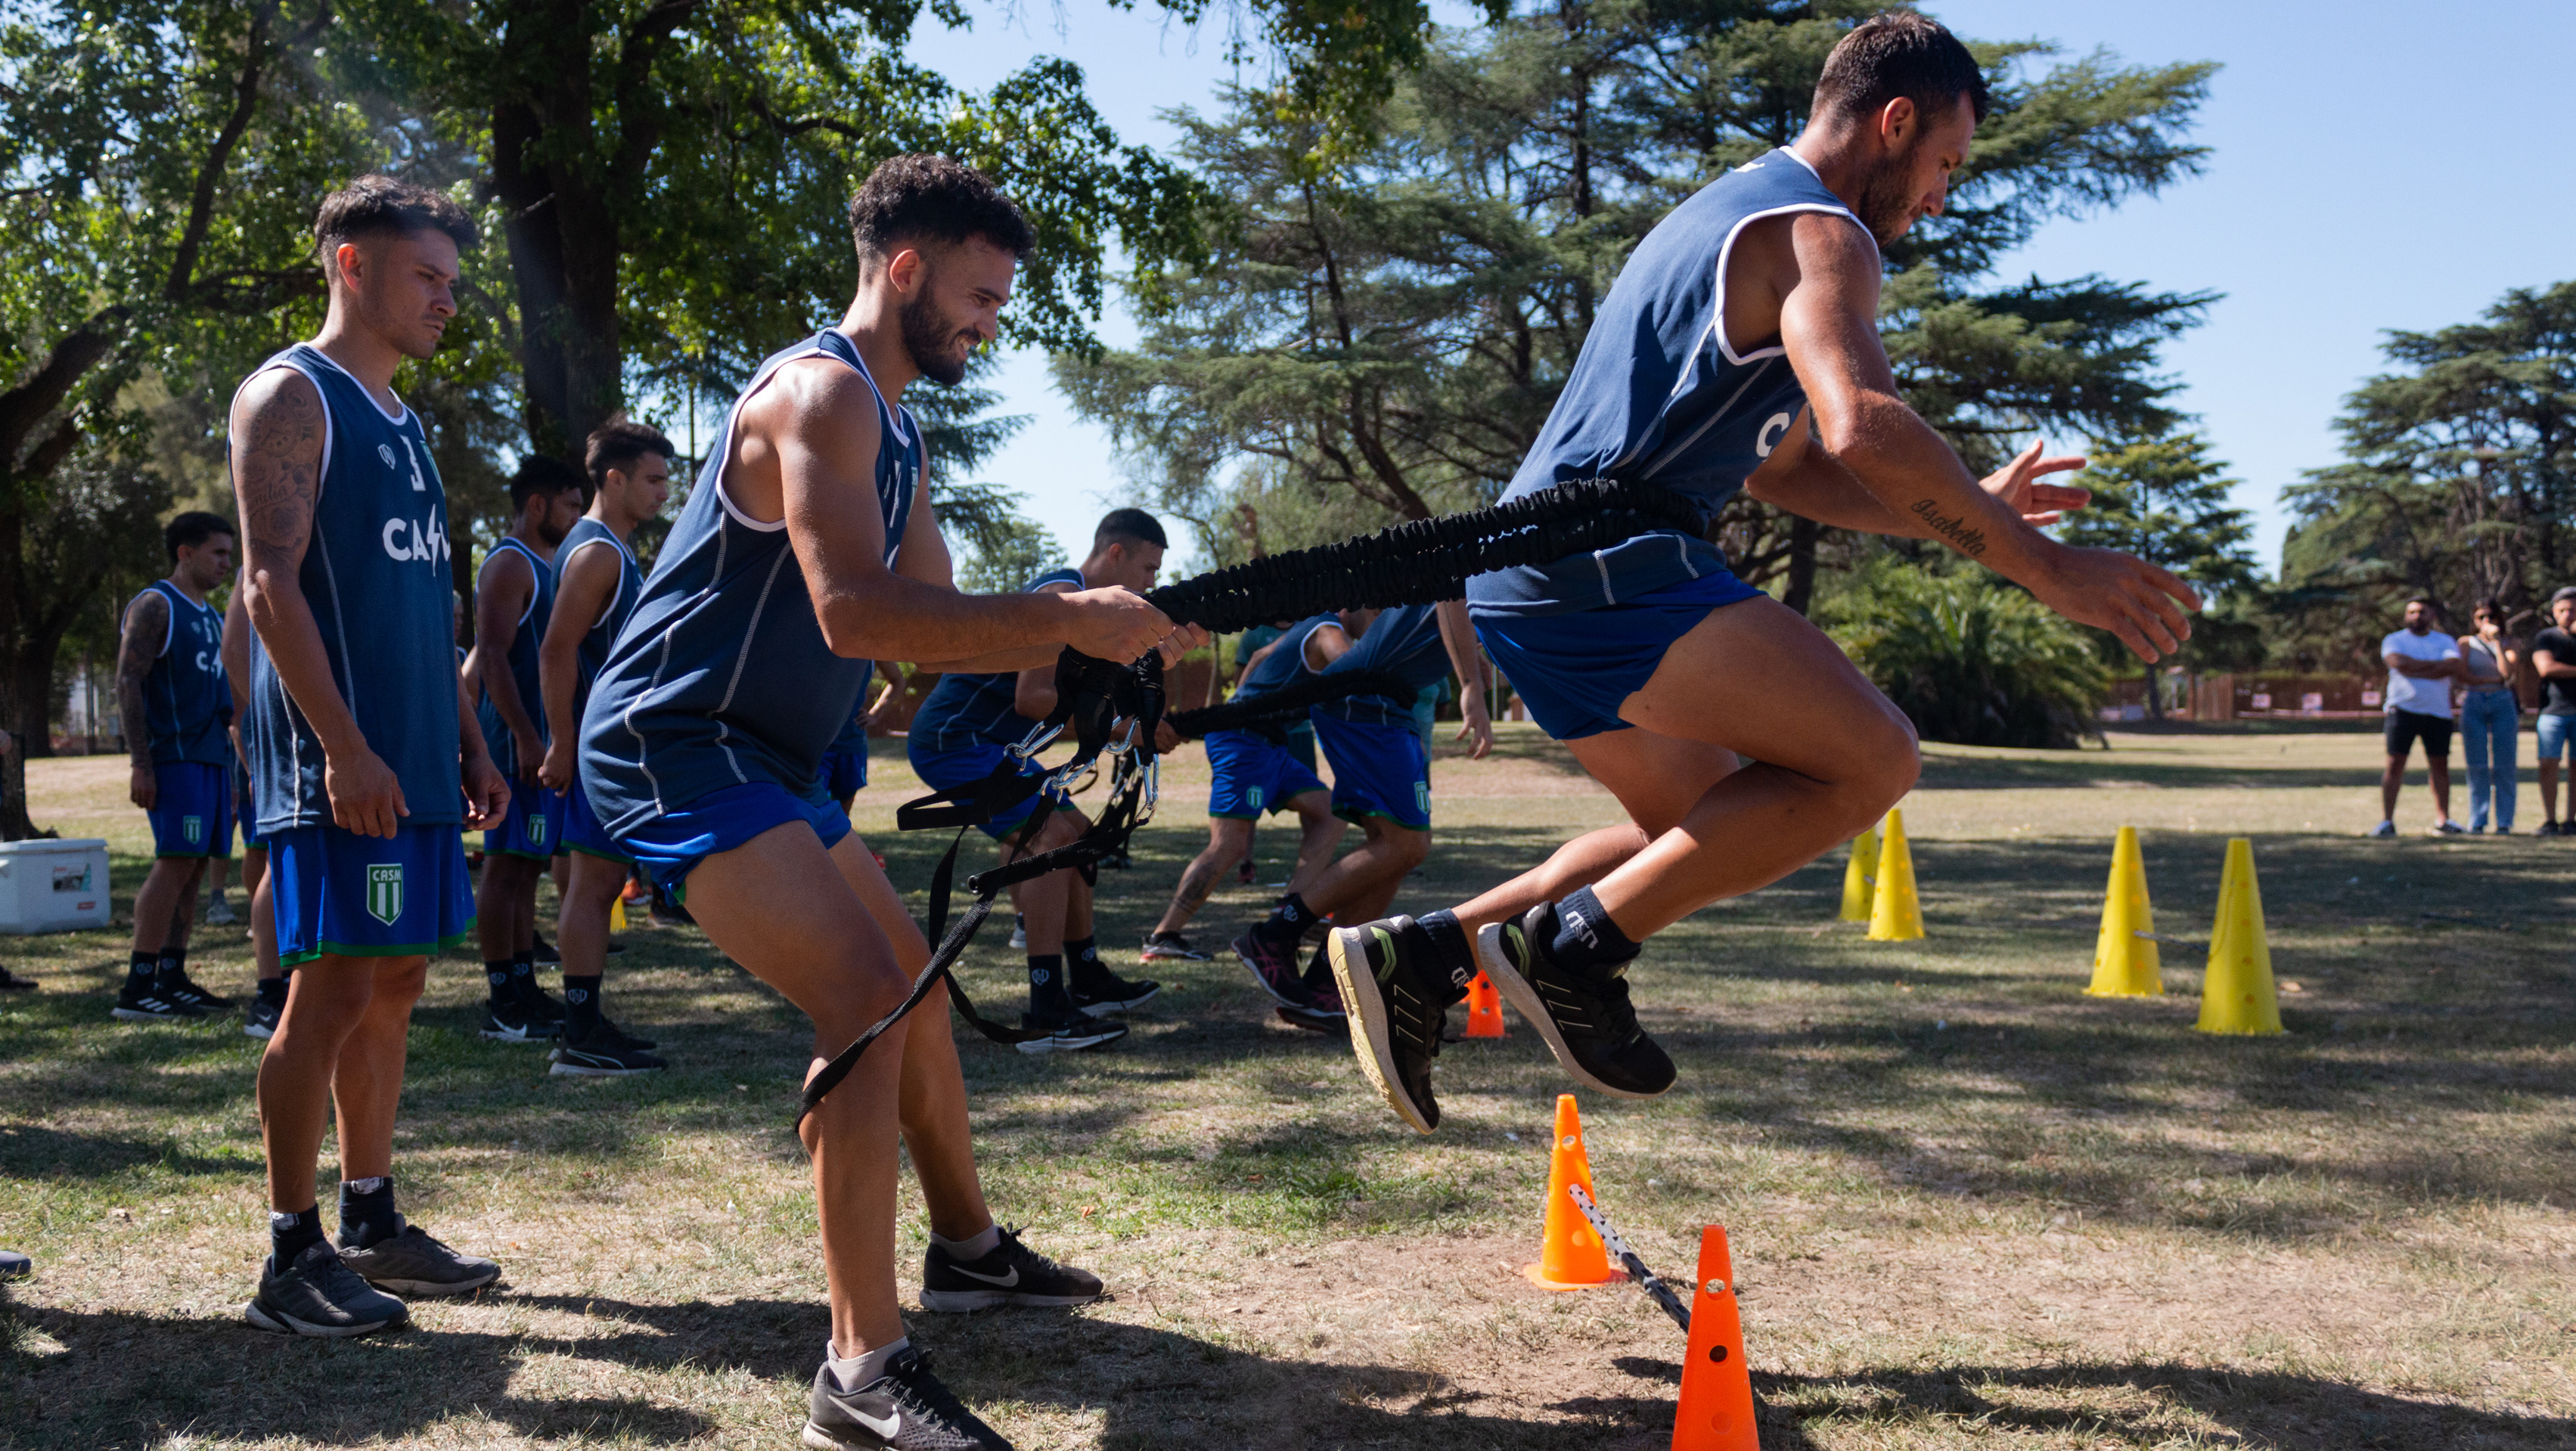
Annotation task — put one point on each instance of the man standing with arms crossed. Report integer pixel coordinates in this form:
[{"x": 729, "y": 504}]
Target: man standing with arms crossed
[
  {"x": 364, "y": 756},
  {"x": 175, "y": 704},
  {"x": 514, "y": 598},
  {"x": 596, "y": 585},
  {"x": 1739, "y": 349},
  {"x": 2421, "y": 668},
  {"x": 805, "y": 552}
]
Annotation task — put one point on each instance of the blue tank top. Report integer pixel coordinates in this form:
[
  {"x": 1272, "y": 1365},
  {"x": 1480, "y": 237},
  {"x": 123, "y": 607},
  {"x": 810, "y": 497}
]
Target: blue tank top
[
  {"x": 1285, "y": 665},
  {"x": 521, "y": 661},
  {"x": 377, "y": 579},
  {"x": 187, "y": 700},
  {"x": 1404, "y": 643},
  {"x": 1659, "y": 395},
  {"x": 967, "y": 710},
  {"x": 601, "y": 637},
  {"x": 721, "y": 676}
]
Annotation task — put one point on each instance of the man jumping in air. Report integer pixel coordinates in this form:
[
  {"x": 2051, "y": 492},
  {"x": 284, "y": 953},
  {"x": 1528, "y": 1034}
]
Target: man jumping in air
[
  {"x": 1739, "y": 349},
  {"x": 806, "y": 551}
]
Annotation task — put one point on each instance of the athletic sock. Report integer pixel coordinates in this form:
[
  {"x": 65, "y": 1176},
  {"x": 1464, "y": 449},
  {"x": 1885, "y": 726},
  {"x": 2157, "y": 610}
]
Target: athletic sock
[
  {"x": 973, "y": 1247},
  {"x": 496, "y": 971},
  {"x": 290, "y": 1235},
  {"x": 1587, "y": 941},
  {"x": 1449, "y": 940},
  {"x": 171, "y": 965},
  {"x": 523, "y": 977},
  {"x": 860, "y": 1370},
  {"x": 1047, "y": 995},
  {"x": 272, "y": 991},
  {"x": 367, "y": 1214},
  {"x": 142, "y": 972},
  {"x": 1082, "y": 955},
  {"x": 1290, "y": 917},
  {"x": 581, "y": 1006}
]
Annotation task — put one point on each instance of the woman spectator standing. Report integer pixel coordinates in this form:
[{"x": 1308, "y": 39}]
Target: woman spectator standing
[{"x": 2490, "y": 717}]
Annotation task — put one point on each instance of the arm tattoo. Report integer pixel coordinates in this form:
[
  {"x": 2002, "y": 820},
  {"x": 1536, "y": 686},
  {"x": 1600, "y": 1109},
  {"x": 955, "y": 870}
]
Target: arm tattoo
[
  {"x": 279, "y": 476},
  {"x": 145, "y": 624},
  {"x": 1955, "y": 528}
]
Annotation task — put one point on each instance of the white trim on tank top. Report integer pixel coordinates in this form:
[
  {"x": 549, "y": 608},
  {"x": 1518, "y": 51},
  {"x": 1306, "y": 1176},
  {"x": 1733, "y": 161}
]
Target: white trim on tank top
[
  {"x": 510, "y": 544},
  {"x": 623, "y": 552},
  {"x": 814, "y": 349}
]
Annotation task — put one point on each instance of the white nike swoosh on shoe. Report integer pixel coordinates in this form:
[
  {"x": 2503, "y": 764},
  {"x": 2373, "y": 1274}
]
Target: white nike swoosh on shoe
[
  {"x": 1005, "y": 1281},
  {"x": 885, "y": 1427}
]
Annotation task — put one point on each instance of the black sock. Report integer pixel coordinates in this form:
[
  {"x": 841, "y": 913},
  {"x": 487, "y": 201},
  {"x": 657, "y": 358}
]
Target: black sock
[
  {"x": 1587, "y": 940},
  {"x": 140, "y": 973},
  {"x": 1290, "y": 917},
  {"x": 290, "y": 1235},
  {"x": 496, "y": 971},
  {"x": 581, "y": 1005},
  {"x": 367, "y": 1212},
  {"x": 523, "y": 977},
  {"x": 1047, "y": 995},
  {"x": 1449, "y": 939},
  {"x": 1082, "y": 955},
  {"x": 173, "y": 963},
  {"x": 272, "y": 991}
]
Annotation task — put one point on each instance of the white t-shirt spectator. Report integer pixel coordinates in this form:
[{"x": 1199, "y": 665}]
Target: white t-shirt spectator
[{"x": 2405, "y": 692}]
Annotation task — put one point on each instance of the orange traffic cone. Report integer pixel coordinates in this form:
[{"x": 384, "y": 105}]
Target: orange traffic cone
[
  {"x": 1484, "y": 1008},
  {"x": 1570, "y": 1254},
  {"x": 1716, "y": 1411}
]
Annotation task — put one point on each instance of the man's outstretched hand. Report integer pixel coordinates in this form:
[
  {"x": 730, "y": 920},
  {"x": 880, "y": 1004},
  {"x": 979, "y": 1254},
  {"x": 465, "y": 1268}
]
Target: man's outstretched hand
[{"x": 2017, "y": 486}]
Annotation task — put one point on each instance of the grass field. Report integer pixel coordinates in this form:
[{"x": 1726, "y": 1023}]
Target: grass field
[{"x": 1971, "y": 1207}]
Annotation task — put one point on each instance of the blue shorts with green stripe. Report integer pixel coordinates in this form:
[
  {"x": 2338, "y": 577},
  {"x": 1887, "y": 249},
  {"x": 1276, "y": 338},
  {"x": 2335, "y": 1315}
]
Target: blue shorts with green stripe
[{"x": 342, "y": 894}]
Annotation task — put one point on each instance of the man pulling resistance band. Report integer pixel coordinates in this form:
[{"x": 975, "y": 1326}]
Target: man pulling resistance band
[
  {"x": 804, "y": 552},
  {"x": 1739, "y": 349}
]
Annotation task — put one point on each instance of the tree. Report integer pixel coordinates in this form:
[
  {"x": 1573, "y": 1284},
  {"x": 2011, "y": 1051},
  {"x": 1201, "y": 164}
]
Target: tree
[
  {"x": 1969, "y": 658},
  {"x": 1394, "y": 323},
  {"x": 97, "y": 540},
  {"x": 2165, "y": 500}
]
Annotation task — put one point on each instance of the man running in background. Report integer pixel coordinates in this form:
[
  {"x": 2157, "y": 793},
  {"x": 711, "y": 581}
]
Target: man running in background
[
  {"x": 269, "y": 999},
  {"x": 364, "y": 756},
  {"x": 1738, "y": 349},
  {"x": 804, "y": 552},
  {"x": 1252, "y": 772},
  {"x": 514, "y": 599},
  {"x": 596, "y": 586},
  {"x": 176, "y": 705},
  {"x": 1381, "y": 780},
  {"x": 961, "y": 735}
]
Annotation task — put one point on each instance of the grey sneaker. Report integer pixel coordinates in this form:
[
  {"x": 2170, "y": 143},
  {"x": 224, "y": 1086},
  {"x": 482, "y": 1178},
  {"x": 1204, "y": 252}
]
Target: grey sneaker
[
  {"x": 604, "y": 1053},
  {"x": 219, "y": 913},
  {"x": 1010, "y": 1274},
  {"x": 15, "y": 1266},
  {"x": 413, "y": 1263},
  {"x": 906, "y": 1409},
  {"x": 320, "y": 1295}
]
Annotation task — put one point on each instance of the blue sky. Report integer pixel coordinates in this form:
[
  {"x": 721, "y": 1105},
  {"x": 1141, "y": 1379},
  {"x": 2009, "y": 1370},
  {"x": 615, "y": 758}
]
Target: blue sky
[{"x": 2375, "y": 167}]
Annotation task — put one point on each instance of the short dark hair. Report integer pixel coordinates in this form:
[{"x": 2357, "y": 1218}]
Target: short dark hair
[
  {"x": 934, "y": 198},
  {"x": 617, "y": 444},
  {"x": 373, "y": 205},
  {"x": 1899, "y": 53},
  {"x": 1129, "y": 526},
  {"x": 541, "y": 476},
  {"x": 193, "y": 528},
  {"x": 2565, "y": 592}
]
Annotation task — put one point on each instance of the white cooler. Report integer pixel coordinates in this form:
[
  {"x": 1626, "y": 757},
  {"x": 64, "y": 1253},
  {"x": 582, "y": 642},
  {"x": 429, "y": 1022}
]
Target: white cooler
[{"x": 53, "y": 886}]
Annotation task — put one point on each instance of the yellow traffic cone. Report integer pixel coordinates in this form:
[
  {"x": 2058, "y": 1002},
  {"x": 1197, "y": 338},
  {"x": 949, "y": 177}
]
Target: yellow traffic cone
[
  {"x": 2125, "y": 961},
  {"x": 1894, "y": 915},
  {"x": 1859, "y": 874},
  {"x": 2237, "y": 995},
  {"x": 616, "y": 914}
]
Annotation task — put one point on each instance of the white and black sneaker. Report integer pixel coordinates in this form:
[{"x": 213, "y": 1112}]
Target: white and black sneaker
[
  {"x": 518, "y": 1021},
  {"x": 260, "y": 1021},
  {"x": 320, "y": 1295},
  {"x": 1586, "y": 1018},
  {"x": 1019, "y": 933},
  {"x": 411, "y": 1262},
  {"x": 176, "y": 986},
  {"x": 906, "y": 1409},
  {"x": 1170, "y": 947},
  {"x": 147, "y": 1005},
  {"x": 1101, "y": 991},
  {"x": 1010, "y": 1274},
  {"x": 604, "y": 1053},
  {"x": 1071, "y": 1033}
]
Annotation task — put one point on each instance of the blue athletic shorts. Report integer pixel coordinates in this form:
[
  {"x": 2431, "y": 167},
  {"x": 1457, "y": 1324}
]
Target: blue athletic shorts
[
  {"x": 192, "y": 810},
  {"x": 671, "y": 845},
  {"x": 243, "y": 816},
  {"x": 965, "y": 765},
  {"x": 2555, "y": 733},
  {"x": 1378, "y": 770},
  {"x": 534, "y": 826},
  {"x": 369, "y": 896},
  {"x": 1254, "y": 776},
  {"x": 581, "y": 830},
  {"x": 1574, "y": 670},
  {"x": 843, "y": 774}
]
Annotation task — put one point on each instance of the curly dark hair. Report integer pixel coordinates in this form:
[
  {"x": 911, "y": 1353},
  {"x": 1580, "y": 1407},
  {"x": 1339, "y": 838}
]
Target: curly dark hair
[{"x": 934, "y": 198}]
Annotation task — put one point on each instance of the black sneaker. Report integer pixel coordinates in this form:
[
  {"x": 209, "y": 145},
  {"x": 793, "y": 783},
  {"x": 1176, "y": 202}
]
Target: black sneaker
[
  {"x": 1107, "y": 992},
  {"x": 1586, "y": 1019},
  {"x": 667, "y": 913},
  {"x": 545, "y": 951},
  {"x": 261, "y": 1020},
  {"x": 413, "y": 1263},
  {"x": 1071, "y": 1033},
  {"x": 1273, "y": 964},
  {"x": 535, "y": 1001},
  {"x": 603, "y": 1053},
  {"x": 2546, "y": 828},
  {"x": 1011, "y": 1274},
  {"x": 906, "y": 1409},
  {"x": 1170, "y": 947},
  {"x": 1397, "y": 998},
  {"x": 176, "y": 986},
  {"x": 515, "y": 1022},
  {"x": 1316, "y": 1020},
  {"x": 627, "y": 1038},
  {"x": 320, "y": 1295},
  {"x": 12, "y": 983},
  {"x": 147, "y": 1005},
  {"x": 15, "y": 1266}
]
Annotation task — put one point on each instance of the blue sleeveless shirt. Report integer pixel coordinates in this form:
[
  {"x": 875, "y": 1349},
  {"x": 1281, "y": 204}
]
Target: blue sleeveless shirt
[
  {"x": 187, "y": 699},
  {"x": 721, "y": 676},
  {"x": 1285, "y": 665},
  {"x": 1404, "y": 643},
  {"x": 376, "y": 576},
  {"x": 601, "y": 637},
  {"x": 520, "y": 661},
  {"x": 1658, "y": 394},
  {"x": 970, "y": 710}
]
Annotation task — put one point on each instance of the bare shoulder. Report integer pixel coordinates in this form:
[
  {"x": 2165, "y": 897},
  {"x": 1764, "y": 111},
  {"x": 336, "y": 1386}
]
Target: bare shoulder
[
  {"x": 1831, "y": 246},
  {"x": 278, "y": 407},
  {"x": 816, "y": 401}
]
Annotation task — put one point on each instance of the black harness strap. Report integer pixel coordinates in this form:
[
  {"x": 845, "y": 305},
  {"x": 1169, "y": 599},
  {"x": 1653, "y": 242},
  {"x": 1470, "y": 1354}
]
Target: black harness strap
[{"x": 1263, "y": 711}]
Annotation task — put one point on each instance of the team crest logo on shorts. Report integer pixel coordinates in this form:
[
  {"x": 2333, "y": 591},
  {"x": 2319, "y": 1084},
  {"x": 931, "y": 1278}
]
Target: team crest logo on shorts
[
  {"x": 1422, "y": 797},
  {"x": 1252, "y": 798},
  {"x": 193, "y": 828},
  {"x": 385, "y": 891},
  {"x": 536, "y": 831}
]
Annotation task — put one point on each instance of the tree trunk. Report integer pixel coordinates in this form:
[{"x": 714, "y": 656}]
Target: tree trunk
[
  {"x": 34, "y": 669},
  {"x": 1801, "y": 591},
  {"x": 14, "y": 825}
]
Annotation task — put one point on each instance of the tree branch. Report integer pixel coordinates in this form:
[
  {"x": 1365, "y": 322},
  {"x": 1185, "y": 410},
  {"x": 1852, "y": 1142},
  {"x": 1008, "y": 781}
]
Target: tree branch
[{"x": 201, "y": 201}]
